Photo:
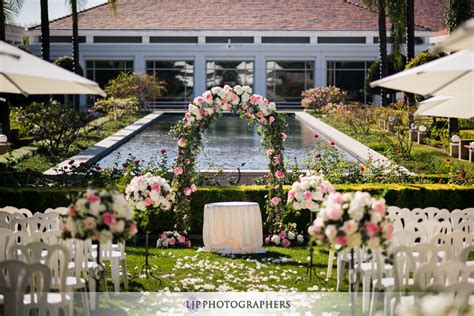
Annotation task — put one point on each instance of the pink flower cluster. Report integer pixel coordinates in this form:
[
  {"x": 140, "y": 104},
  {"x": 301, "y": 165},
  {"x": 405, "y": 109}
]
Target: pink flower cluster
[
  {"x": 309, "y": 192},
  {"x": 150, "y": 192},
  {"x": 102, "y": 215},
  {"x": 285, "y": 237},
  {"x": 320, "y": 96},
  {"x": 352, "y": 220},
  {"x": 172, "y": 239}
]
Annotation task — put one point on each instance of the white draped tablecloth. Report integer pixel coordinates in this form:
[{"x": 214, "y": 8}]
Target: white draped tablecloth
[{"x": 232, "y": 227}]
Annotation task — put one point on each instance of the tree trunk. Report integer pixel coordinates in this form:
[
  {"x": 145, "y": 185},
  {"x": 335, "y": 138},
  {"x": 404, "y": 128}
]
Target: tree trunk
[
  {"x": 383, "y": 47},
  {"x": 75, "y": 46},
  {"x": 2, "y": 22},
  {"x": 410, "y": 30},
  {"x": 45, "y": 39},
  {"x": 453, "y": 127}
]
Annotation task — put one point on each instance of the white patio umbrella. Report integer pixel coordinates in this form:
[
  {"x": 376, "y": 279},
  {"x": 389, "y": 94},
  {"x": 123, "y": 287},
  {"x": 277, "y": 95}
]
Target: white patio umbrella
[
  {"x": 462, "y": 38},
  {"x": 450, "y": 76},
  {"x": 23, "y": 73},
  {"x": 441, "y": 106}
]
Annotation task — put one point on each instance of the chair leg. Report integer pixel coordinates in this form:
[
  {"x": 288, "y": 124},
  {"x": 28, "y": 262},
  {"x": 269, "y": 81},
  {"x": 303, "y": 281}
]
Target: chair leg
[
  {"x": 92, "y": 294},
  {"x": 372, "y": 301},
  {"x": 85, "y": 302},
  {"x": 125, "y": 275},
  {"x": 366, "y": 279},
  {"x": 340, "y": 272},
  {"x": 114, "y": 267}
]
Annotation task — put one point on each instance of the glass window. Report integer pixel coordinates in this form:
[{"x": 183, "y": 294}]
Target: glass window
[
  {"x": 287, "y": 79},
  {"x": 178, "y": 76},
  {"x": 101, "y": 71},
  {"x": 232, "y": 73},
  {"x": 349, "y": 76}
]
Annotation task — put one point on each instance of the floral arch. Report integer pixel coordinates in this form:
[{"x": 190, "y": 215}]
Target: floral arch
[{"x": 201, "y": 114}]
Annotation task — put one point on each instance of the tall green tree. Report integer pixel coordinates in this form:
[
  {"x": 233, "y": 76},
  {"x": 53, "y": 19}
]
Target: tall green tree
[
  {"x": 457, "y": 12},
  {"x": 45, "y": 38},
  {"x": 9, "y": 10},
  {"x": 410, "y": 25}
]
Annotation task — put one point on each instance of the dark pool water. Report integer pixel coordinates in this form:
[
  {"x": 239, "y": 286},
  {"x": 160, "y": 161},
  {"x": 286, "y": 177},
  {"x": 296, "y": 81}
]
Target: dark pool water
[{"x": 227, "y": 145}]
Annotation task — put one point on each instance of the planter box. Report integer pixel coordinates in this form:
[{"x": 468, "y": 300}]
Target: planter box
[
  {"x": 464, "y": 149},
  {"x": 4, "y": 148},
  {"x": 454, "y": 149}
]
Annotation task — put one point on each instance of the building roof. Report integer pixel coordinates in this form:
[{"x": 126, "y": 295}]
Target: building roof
[{"x": 273, "y": 15}]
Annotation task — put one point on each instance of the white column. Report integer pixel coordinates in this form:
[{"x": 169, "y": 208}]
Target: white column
[
  {"x": 139, "y": 63},
  {"x": 321, "y": 71},
  {"x": 199, "y": 74},
  {"x": 259, "y": 76}
]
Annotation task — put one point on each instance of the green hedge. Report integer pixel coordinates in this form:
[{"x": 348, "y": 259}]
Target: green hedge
[{"x": 410, "y": 196}]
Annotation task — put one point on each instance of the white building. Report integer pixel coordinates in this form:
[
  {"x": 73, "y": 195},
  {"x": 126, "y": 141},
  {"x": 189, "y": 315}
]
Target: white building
[
  {"x": 278, "y": 47},
  {"x": 14, "y": 34}
]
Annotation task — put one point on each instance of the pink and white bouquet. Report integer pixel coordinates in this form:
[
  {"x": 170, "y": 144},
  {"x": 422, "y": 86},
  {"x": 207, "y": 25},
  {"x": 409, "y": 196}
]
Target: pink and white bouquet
[
  {"x": 285, "y": 236},
  {"x": 309, "y": 192},
  {"x": 352, "y": 220},
  {"x": 102, "y": 215},
  {"x": 172, "y": 239},
  {"x": 149, "y": 192}
]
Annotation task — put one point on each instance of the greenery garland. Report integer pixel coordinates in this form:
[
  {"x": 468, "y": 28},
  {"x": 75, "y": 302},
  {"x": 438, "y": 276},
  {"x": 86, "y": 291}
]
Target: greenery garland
[{"x": 202, "y": 113}]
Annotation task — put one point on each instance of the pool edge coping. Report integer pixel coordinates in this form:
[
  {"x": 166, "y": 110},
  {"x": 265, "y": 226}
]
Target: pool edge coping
[
  {"x": 105, "y": 146},
  {"x": 355, "y": 148}
]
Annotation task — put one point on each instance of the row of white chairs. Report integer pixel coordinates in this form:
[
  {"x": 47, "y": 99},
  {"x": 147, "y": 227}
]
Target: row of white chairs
[{"x": 27, "y": 213}]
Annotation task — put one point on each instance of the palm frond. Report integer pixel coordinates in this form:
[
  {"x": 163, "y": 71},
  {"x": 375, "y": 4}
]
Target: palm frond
[{"x": 11, "y": 9}]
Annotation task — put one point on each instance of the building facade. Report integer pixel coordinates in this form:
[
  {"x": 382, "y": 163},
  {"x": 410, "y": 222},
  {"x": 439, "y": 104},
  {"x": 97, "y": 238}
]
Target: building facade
[{"x": 280, "y": 48}]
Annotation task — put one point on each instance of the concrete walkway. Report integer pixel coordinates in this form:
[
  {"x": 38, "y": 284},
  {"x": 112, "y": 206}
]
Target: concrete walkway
[
  {"x": 356, "y": 149},
  {"x": 96, "y": 152}
]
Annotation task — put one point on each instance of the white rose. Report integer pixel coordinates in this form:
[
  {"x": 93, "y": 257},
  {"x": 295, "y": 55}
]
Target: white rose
[
  {"x": 245, "y": 97},
  {"x": 105, "y": 236},
  {"x": 238, "y": 89},
  {"x": 96, "y": 208},
  {"x": 272, "y": 106},
  {"x": 71, "y": 225},
  {"x": 164, "y": 243},
  {"x": 247, "y": 89},
  {"x": 356, "y": 213},
  {"x": 331, "y": 232},
  {"x": 291, "y": 235},
  {"x": 375, "y": 217},
  {"x": 141, "y": 205},
  {"x": 374, "y": 242},
  {"x": 118, "y": 227},
  {"x": 354, "y": 240},
  {"x": 275, "y": 239},
  {"x": 296, "y": 206},
  {"x": 300, "y": 239},
  {"x": 210, "y": 111}
]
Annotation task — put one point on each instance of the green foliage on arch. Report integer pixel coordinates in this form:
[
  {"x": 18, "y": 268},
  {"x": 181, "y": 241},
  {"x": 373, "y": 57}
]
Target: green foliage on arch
[{"x": 202, "y": 113}]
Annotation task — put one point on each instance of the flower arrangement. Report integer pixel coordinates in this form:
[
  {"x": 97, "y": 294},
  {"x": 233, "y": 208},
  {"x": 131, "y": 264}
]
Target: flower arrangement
[
  {"x": 309, "y": 192},
  {"x": 102, "y": 215},
  {"x": 202, "y": 112},
  {"x": 286, "y": 236},
  {"x": 173, "y": 239},
  {"x": 320, "y": 96},
  {"x": 352, "y": 220}
]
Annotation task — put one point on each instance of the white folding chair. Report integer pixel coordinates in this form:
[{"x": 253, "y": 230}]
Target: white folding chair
[
  {"x": 16, "y": 278},
  {"x": 59, "y": 210},
  {"x": 115, "y": 254},
  {"x": 456, "y": 240},
  {"x": 12, "y": 210}
]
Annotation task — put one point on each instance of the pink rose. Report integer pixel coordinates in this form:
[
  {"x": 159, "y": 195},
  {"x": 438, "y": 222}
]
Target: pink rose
[
  {"x": 198, "y": 100},
  {"x": 193, "y": 187},
  {"x": 163, "y": 236},
  {"x": 181, "y": 142},
  {"x": 331, "y": 232},
  {"x": 282, "y": 235},
  {"x": 244, "y": 106},
  {"x": 334, "y": 212},
  {"x": 172, "y": 241},
  {"x": 148, "y": 201},
  {"x": 178, "y": 171},
  {"x": 275, "y": 200},
  {"x": 187, "y": 191},
  {"x": 260, "y": 114},
  {"x": 314, "y": 230},
  {"x": 280, "y": 174},
  {"x": 335, "y": 197},
  {"x": 291, "y": 194},
  {"x": 307, "y": 195},
  {"x": 269, "y": 152},
  {"x": 276, "y": 160},
  {"x": 271, "y": 119},
  {"x": 108, "y": 218},
  {"x": 341, "y": 241},
  {"x": 379, "y": 207},
  {"x": 155, "y": 187},
  {"x": 371, "y": 229},
  {"x": 350, "y": 227},
  {"x": 132, "y": 230},
  {"x": 263, "y": 121},
  {"x": 181, "y": 240},
  {"x": 267, "y": 240},
  {"x": 283, "y": 136},
  {"x": 207, "y": 95},
  {"x": 285, "y": 243},
  {"x": 92, "y": 198},
  {"x": 72, "y": 211}
]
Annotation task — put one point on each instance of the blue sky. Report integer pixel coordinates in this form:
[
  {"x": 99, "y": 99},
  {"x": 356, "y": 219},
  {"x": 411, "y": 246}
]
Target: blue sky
[{"x": 57, "y": 8}]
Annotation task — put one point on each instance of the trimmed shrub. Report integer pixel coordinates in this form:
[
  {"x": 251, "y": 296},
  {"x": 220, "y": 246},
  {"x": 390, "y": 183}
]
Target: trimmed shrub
[{"x": 409, "y": 196}]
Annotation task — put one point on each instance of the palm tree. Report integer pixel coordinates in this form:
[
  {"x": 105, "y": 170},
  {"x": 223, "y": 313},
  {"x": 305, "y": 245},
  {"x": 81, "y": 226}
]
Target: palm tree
[
  {"x": 45, "y": 39},
  {"x": 457, "y": 11}
]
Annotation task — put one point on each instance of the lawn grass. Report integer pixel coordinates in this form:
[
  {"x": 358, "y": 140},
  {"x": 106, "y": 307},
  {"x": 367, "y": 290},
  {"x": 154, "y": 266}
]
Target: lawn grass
[
  {"x": 91, "y": 134},
  {"x": 186, "y": 270}
]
